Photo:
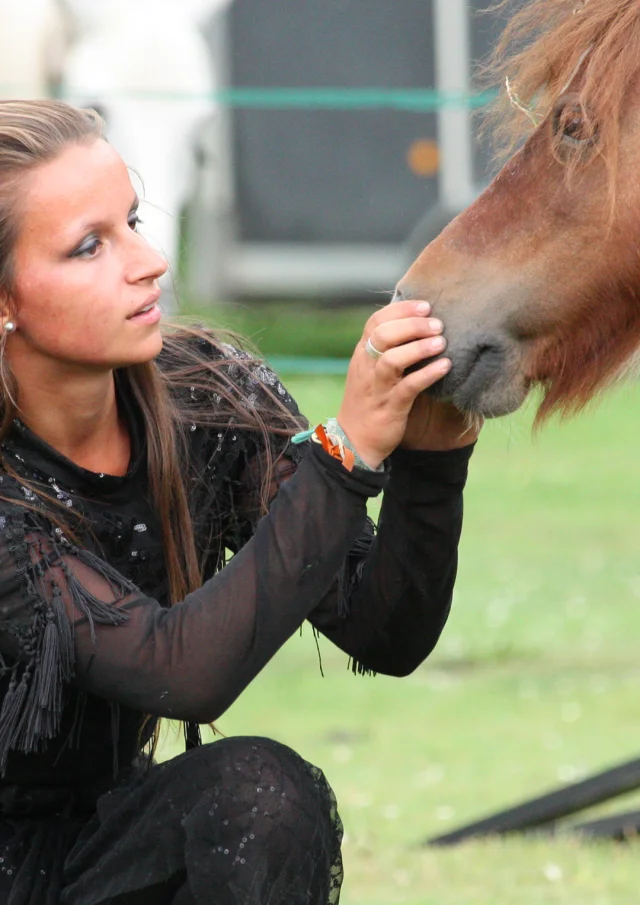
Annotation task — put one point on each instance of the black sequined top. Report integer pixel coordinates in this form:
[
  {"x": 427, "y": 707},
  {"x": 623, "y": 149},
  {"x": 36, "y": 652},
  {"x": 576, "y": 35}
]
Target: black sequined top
[{"x": 90, "y": 644}]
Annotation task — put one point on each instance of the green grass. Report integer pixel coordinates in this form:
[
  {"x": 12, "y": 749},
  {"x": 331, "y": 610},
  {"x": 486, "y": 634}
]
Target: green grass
[{"x": 534, "y": 683}]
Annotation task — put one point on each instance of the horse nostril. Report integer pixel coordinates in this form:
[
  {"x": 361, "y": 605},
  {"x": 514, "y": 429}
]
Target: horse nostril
[
  {"x": 482, "y": 365},
  {"x": 399, "y": 295},
  {"x": 485, "y": 349}
]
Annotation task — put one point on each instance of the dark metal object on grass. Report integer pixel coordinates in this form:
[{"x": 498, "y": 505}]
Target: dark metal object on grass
[
  {"x": 618, "y": 827},
  {"x": 544, "y": 811}
]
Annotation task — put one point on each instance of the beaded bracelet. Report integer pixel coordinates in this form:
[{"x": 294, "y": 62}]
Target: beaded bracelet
[{"x": 334, "y": 441}]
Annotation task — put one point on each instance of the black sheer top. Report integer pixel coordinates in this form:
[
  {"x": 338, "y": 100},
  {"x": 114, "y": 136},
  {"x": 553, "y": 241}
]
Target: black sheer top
[{"x": 90, "y": 644}]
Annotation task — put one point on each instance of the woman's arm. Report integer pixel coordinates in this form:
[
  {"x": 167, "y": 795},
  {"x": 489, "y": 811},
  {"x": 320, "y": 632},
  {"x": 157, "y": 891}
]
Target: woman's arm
[
  {"x": 63, "y": 612},
  {"x": 388, "y": 606},
  {"x": 392, "y": 596},
  {"x": 399, "y": 593}
]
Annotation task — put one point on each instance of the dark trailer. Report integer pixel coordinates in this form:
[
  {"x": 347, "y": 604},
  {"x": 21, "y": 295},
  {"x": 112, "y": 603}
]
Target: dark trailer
[{"x": 331, "y": 163}]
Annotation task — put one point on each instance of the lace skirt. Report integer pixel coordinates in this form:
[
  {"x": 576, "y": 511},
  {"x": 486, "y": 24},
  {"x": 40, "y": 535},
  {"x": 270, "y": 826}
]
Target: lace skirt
[{"x": 242, "y": 821}]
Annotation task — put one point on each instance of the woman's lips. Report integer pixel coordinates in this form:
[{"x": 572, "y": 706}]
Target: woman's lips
[{"x": 149, "y": 315}]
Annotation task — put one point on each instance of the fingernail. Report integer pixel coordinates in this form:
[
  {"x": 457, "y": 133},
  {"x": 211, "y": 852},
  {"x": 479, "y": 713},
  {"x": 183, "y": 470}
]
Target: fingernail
[
  {"x": 445, "y": 364},
  {"x": 436, "y": 325},
  {"x": 424, "y": 308}
]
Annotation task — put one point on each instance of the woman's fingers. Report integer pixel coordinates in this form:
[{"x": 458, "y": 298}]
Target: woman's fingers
[
  {"x": 398, "y": 332},
  {"x": 395, "y": 361},
  {"x": 415, "y": 383},
  {"x": 395, "y": 311},
  {"x": 379, "y": 394}
]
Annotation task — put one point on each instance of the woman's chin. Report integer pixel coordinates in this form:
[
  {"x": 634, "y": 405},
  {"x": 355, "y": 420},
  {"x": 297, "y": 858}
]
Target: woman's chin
[{"x": 142, "y": 352}]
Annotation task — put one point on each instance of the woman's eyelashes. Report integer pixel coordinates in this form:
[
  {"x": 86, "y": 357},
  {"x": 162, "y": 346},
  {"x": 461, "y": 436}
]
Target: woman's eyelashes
[
  {"x": 91, "y": 244},
  {"x": 87, "y": 249}
]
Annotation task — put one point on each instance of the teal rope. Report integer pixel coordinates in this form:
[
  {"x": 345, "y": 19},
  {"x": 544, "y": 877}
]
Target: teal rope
[
  {"x": 418, "y": 100},
  {"x": 286, "y": 364}
]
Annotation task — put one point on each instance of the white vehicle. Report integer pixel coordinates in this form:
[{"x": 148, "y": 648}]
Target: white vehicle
[{"x": 148, "y": 69}]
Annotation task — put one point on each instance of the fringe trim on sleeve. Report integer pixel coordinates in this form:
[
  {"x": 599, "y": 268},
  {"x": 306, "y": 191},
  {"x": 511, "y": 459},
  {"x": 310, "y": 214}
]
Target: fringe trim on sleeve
[
  {"x": 32, "y": 707},
  {"x": 349, "y": 579},
  {"x": 351, "y": 572}
]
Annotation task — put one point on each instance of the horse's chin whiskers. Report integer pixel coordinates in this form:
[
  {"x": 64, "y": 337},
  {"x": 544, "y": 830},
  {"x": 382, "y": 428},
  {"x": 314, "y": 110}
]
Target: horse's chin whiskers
[{"x": 473, "y": 422}]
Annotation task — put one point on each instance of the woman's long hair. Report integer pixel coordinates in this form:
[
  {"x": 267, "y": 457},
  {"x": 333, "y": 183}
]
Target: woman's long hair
[{"x": 195, "y": 360}]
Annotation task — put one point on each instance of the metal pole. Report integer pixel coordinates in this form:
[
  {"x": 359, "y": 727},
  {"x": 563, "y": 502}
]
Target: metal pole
[{"x": 452, "y": 44}]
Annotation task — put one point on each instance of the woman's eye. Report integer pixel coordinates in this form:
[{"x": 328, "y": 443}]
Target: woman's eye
[
  {"x": 571, "y": 126},
  {"x": 88, "y": 249},
  {"x": 92, "y": 244}
]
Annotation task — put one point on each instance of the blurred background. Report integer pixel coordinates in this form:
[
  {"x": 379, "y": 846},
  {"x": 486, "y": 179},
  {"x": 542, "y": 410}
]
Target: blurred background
[
  {"x": 285, "y": 149},
  {"x": 294, "y": 156}
]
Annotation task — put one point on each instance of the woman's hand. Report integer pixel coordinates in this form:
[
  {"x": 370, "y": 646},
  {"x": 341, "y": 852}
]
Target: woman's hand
[{"x": 379, "y": 410}]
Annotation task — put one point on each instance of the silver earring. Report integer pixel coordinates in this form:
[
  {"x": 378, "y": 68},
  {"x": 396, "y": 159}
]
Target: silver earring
[{"x": 9, "y": 327}]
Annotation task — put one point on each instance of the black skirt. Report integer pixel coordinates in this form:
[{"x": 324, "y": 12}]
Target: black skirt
[{"x": 242, "y": 821}]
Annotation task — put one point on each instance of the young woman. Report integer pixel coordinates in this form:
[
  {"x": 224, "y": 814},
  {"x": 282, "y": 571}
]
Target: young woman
[{"x": 132, "y": 457}]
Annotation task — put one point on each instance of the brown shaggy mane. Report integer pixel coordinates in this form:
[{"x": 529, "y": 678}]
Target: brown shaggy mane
[
  {"x": 540, "y": 51},
  {"x": 591, "y": 352}
]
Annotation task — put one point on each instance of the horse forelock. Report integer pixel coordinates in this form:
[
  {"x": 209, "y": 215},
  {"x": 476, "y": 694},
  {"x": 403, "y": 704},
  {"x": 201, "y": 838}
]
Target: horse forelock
[{"x": 550, "y": 44}]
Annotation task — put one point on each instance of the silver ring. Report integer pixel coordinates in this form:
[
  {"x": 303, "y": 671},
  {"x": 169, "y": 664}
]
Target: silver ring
[{"x": 371, "y": 350}]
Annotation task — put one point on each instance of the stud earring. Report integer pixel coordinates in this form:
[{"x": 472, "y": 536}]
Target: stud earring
[{"x": 9, "y": 327}]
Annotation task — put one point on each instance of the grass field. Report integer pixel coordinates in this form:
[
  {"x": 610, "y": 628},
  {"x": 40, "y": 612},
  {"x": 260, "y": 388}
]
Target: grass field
[{"x": 534, "y": 683}]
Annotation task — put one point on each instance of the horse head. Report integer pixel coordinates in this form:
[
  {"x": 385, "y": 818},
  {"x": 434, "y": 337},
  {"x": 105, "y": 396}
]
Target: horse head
[{"x": 538, "y": 281}]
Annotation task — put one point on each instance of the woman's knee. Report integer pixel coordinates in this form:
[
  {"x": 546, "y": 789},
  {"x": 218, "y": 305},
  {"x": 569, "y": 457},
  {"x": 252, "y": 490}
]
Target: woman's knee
[
  {"x": 264, "y": 821},
  {"x": 263, "y": 785}
]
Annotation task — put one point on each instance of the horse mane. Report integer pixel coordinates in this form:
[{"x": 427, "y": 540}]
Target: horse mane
[
  {"x": 541, "y": 51},
  {"x": 592, "y": 350}
]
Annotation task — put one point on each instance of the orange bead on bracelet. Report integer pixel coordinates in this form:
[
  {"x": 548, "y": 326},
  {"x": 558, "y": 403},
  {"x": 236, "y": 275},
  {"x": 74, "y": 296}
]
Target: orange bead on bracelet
[{"x": 335, "y": 449}]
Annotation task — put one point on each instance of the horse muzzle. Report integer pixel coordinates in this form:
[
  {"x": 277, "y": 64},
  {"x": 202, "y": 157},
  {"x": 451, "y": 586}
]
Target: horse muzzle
[{"x": 483, "y": 379}]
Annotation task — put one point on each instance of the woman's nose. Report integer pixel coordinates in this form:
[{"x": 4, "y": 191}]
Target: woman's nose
[{"x": 147, "y": 263}]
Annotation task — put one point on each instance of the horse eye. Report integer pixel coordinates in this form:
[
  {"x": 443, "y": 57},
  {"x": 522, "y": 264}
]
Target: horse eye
[{"x": 571, "y": 127}]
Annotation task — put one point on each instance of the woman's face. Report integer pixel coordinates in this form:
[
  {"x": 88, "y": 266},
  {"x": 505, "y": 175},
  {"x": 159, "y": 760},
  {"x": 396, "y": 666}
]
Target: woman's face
[{"x": 83, "y": 275}]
